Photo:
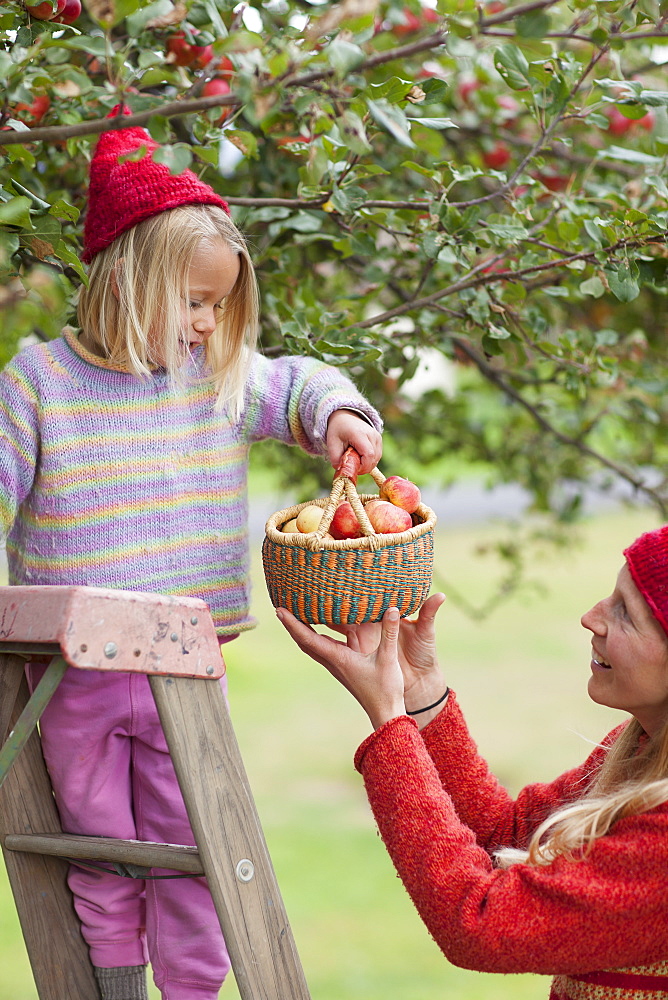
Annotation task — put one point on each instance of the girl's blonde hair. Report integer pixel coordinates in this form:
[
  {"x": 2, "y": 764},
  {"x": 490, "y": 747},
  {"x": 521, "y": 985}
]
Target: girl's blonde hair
[
  {"x": 633, "y": 778},
  {"x": 139, "y": 284}
]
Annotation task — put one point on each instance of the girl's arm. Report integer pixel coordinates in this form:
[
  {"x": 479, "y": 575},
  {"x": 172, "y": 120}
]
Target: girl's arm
[
  {"x": 292, "y": 400},
  {"x": 605, "y": 911},
  {"x": 19, "y": 440}
]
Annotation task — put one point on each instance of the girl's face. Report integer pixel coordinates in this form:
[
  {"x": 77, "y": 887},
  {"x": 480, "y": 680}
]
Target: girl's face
[
  {"x": 212, "y": 276},
  {"x": 629, "y": 655}
]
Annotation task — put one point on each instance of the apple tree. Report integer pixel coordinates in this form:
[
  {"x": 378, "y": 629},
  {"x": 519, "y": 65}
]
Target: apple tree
[{"x": 465, "y": 205}]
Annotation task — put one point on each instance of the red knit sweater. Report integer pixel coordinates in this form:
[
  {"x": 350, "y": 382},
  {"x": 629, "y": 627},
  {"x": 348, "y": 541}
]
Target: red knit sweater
[{"x": 440, "y": 813}]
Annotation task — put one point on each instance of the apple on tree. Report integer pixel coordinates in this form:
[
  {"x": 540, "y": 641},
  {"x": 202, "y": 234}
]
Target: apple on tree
[
  {"x": 47, "y": 10},
  {"x": 186, "y": 53},
  {"x": 70, "y": 12},
  {"x": 497, "y": 157},
  {"x": 218, "y": 86}
]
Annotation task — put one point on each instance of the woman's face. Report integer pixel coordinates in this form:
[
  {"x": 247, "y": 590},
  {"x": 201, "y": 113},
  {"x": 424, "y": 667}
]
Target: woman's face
[{"x": 629, "y": 655}]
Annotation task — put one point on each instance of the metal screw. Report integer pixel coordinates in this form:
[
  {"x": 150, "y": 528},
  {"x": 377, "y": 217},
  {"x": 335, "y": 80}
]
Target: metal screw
[
  {"x": 110, "y": 650},
  {"x": 245, "y": 870},
  {"x": 174, "y": 637},
  {"x": 194, "y": 620},
  {"x": 83, "y": 647},
  {"x": 209, "y": 670},
  {"x": 136, "y": 652}
]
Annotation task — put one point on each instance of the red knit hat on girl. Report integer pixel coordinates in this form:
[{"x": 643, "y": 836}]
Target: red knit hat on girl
[
  {"x": 647, "y": 559},
  {"x": 123, "y": 192}
]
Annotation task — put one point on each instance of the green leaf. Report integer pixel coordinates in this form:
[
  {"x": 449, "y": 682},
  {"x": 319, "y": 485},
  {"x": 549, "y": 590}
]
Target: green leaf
[
  {"x": 593, "y": 286},
  {"x": 392, "y": 119},
  {"x": 176, "y": 158},
  {"x": 622, "y": 283},
  {"x": 63, "y": 210},
  {"x": 246, "y": 142},
  {"x": 393, "y": 90},
  {"x": 352, "y": 131},
  {"x": 512, "y": 66},
  {"x": 344, "y": 56},
  {"x": 95, "y": 44},
  {"x": 435, "y": 90},
  {"x": 435, "y": 123},
  {"x": 534, "y": 24},
  {"x": 16, "y": 212},
  {"x": 628, "y": 156},
  {"x": 124, "y": 9}
]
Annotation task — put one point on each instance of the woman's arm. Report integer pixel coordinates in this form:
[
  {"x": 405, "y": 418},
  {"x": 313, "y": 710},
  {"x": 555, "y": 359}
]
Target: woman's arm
[{"x": 605, "y": 911}]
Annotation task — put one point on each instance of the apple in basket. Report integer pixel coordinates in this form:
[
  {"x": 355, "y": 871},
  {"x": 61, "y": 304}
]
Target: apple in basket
[
  {"x": 386, "y": 518},
  {"x": 344, "y": 523},
  {"x": 309, "y": 518},
  {"x": 400, "y": 492}
]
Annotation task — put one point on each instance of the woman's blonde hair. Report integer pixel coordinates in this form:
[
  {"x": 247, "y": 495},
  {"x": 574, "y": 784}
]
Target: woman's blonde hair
[
  {"x": 633, "y": 779},
  {"x": 139, "y": 284}
]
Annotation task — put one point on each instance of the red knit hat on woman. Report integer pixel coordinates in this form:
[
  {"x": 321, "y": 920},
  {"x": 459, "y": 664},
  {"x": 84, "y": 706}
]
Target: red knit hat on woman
[
  {"x": 121, "y": 194},
  {"x": 647, "y": 559}
]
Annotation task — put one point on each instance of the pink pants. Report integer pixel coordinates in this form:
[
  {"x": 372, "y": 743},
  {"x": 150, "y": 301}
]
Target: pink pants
[{"x": 112, "y": 776}]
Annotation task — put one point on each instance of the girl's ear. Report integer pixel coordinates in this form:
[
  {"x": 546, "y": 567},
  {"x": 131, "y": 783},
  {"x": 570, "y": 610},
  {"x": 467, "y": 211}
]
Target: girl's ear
[{"x": 115, "y": 275}]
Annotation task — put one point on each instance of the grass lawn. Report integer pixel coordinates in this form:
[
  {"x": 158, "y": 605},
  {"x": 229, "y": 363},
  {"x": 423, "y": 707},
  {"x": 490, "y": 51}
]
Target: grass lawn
[{"x": 521, "y": 676}]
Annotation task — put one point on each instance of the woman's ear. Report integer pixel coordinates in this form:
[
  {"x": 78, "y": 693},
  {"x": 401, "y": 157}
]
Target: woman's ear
[{"x": 115, "y": 272}]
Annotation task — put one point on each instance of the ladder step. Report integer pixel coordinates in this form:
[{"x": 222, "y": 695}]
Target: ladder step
[{"x": 174, "y": 857}]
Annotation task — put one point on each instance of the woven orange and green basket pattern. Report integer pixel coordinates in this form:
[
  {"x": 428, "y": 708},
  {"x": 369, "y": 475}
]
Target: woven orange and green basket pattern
[{"x": 350, "y": 581}]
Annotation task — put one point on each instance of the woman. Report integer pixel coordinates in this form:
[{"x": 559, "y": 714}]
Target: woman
[{"x": 571, "y": 878}]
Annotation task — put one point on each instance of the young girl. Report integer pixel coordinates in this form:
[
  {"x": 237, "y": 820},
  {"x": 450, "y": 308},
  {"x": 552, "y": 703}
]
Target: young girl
[
  {"x": 123, "y": 463},
  {"x": 569, "y": 879}
]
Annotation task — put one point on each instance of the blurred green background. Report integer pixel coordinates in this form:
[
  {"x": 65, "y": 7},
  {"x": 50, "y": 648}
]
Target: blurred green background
[{"x": 521, "y": 677}]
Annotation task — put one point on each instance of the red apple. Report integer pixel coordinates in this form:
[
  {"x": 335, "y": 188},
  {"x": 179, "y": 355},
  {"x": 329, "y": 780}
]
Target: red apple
[
  {"x": 496, "y": 157},
  {"x": 218, "y": 86},
  {"x": 410, "y": 24},
  {"x": 344, "y": 523},
  {"x": 401, "y": 492},
  {"x": 386, "y": 518},
  {"x": 186, "y": 53},
  {"x": 466, "y": 87},
  {"x": 618, "y": 123},
  {"x": 69, "y": 13},
  {"x": 36, "y": 111},
  {"x": 512, "y": 107},
  {"x": 46, "y": 11},
  {"x": 553, "y": 181}
]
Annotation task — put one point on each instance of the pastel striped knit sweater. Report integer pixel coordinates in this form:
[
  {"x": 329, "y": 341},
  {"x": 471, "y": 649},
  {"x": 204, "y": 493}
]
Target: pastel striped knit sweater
[
  {"x": 599, "y": 925},
  {"x": 111, "y": 480}
]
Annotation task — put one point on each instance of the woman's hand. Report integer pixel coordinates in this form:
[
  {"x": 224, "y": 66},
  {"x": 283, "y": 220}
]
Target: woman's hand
[
  {"x": 346, "y": 429},
  {"x": 374, "y": 678},
  {"x": 423, "y": 679}
]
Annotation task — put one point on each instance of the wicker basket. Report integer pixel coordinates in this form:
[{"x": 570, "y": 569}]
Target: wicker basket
[{"x": 355, "y": 580}]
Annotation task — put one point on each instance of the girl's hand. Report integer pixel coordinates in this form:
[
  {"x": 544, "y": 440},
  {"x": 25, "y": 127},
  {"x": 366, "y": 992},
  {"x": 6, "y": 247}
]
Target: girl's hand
[
  {"x": 345, "y": 429},
  {"x": 373, "y": 678},
  {"x": 423, "y": 679}
]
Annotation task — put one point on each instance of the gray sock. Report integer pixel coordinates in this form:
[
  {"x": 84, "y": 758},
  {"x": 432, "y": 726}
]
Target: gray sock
[{"x": 125, "y": 983}]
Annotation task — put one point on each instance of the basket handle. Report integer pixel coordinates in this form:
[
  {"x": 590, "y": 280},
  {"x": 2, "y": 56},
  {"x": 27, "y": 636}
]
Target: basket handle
[
  {"x": 349, "y": 466},
  {"x": 344, "y": 482}
]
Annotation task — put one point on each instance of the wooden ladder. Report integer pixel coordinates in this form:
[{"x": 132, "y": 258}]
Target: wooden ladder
[{"x": 173, "y": 641}]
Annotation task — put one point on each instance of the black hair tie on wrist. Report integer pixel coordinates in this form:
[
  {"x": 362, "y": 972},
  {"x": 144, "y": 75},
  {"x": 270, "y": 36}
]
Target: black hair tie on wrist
[{"x": 418, "y": 711}]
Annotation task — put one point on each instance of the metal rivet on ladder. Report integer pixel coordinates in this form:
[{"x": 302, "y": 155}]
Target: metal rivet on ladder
[
  {"x": 245, "y": 870},
  {"x": 174, "y": 637},
  {"x": 194, "y": 620},
  {"x": 209, "y": 670},
  {"x": 110, "y": 650}
]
